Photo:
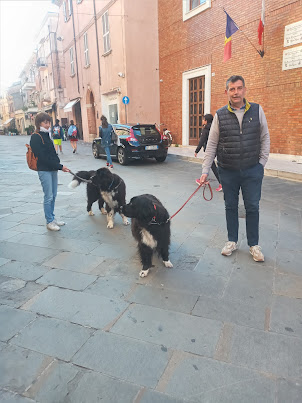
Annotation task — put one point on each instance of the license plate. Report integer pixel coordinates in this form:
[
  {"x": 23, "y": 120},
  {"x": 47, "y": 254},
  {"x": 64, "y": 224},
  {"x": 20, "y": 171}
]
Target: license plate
[{"x": 151, "y": 148}]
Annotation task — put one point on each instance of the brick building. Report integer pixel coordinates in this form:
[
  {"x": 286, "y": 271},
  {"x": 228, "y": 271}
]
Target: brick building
[{"x": 193, "y": 74}]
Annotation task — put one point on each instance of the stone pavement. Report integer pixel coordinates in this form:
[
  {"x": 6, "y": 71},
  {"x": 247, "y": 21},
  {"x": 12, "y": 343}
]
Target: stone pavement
[{"x": 77, "y": 324}]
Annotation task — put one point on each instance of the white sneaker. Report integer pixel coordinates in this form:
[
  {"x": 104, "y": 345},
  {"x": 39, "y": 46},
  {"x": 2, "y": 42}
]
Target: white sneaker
[
  {"x": 229, "y": 248},
  {"x": 255, "y": 251},
  {"x": 52, "y": 226},
  {"x": 59, "y": 223}
]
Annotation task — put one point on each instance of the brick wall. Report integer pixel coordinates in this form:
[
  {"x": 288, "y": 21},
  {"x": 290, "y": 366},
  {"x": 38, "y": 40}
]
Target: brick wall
[{"x": 200, "y": 40}]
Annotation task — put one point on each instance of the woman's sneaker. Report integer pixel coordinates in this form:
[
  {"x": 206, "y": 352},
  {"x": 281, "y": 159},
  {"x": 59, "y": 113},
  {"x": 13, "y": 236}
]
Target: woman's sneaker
[
  {"x": 59, "y": 223},
  {"x": 52, "y": 226},
  {"x": 111, "y": 166},
  {"x": 219, "y": 189},
  {"x": 107, "y": 164},
  {"x": 229, "y": 248},
  {"x": 255, "y": 251}
]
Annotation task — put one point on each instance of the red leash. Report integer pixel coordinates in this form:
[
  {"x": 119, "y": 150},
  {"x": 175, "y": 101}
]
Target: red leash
[{"x": 200, "y": 186}]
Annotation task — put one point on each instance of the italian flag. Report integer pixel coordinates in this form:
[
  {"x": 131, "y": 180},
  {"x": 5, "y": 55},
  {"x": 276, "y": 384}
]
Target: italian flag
[{"x": 261, "y": 24}]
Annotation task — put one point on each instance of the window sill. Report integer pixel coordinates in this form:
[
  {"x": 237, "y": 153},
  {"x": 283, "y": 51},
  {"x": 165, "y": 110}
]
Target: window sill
[
  {"x": 187, "y": 14},
  {"x": 107, "y": 53},
  {"x": 72, "y": 75},
  {"x": 87, "y": 66}
]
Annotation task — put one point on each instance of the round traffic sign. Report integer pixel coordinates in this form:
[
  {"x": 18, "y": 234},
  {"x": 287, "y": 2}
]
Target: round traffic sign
[{"x": 125, "y": 100}]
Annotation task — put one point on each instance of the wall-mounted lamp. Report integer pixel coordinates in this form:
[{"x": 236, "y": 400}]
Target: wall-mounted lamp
[
  {"x": 60, "y": 38},
  {"x": 120, "y": 74},
  {"x": 161, "y": 80}
]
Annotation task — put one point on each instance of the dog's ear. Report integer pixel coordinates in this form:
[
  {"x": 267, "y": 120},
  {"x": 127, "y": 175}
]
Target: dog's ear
[{"x": 144, "y": 209}]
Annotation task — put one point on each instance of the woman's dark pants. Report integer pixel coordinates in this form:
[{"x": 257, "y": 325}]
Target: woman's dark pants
[{"x": 249, "y": 181}]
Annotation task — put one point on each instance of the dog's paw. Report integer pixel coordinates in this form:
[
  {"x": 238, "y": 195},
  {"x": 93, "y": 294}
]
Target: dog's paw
[
  {"x": 90, "y": 212},
  {"x": 103, "y": 211},
  {"x": 110, "y": 225},
  {"x": 167, "y": 263},
  {"x": 126, "y": 222},
  {"x": 144, "y": 273}
]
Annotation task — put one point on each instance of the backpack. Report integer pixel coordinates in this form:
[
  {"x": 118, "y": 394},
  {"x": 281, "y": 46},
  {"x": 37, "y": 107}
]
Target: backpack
[
  {"x": 56, "y": 132},
  {"x": 32, "y": 161},
  {"x": 74, "y": 132}
]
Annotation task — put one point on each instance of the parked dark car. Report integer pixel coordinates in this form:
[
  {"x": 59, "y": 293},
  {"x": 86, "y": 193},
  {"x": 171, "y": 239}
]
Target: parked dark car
[{"x": 134, "y": 141}]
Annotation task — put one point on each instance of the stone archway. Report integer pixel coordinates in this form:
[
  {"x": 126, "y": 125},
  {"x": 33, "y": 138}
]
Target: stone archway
[{"x": 92, "y": 129}]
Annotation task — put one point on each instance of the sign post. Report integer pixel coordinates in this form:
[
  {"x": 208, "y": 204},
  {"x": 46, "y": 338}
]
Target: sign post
[{"x": 126, "y": 102}]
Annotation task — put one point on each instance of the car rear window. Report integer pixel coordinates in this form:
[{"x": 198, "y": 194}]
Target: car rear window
[{"x": 145, "y": 131}]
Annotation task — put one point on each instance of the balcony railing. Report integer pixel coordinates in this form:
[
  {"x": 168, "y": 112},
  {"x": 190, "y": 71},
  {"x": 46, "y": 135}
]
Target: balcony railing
[{"x": 41, "y": 63}]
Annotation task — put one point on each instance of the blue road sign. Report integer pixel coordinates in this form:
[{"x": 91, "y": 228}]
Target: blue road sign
[{"x": 125, "y": 100}]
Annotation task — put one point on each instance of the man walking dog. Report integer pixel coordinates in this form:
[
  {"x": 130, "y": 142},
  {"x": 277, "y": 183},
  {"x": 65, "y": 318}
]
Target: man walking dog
[{"x": 240, "y": 137}]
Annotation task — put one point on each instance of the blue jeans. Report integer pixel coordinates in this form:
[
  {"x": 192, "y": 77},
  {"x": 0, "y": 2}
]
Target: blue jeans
[
  {"x": 107, "y": 150},
  {"x": 49, "y": 182},
  {"x": 250, "y": 182}
]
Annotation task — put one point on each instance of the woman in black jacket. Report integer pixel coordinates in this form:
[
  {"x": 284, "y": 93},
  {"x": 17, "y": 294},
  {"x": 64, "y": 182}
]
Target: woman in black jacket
[
  {"x": 207, "y": 122},
  {"x": 48, "y": 164}
]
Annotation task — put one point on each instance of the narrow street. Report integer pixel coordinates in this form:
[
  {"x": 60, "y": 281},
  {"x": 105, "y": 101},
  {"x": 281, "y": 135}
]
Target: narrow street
[{"x": 78, "y": 324}]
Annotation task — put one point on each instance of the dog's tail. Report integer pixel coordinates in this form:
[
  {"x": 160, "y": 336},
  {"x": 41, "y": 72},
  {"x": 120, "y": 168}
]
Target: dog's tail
[{"x": 77, "y": 179}]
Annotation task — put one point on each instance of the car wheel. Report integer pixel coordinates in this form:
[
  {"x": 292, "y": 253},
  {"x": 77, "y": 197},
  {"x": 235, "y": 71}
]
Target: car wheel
[
  {"x": 122, "y": 156},
  {"x": 95, "y": 151},
  {"x": 161, "y": 159}
]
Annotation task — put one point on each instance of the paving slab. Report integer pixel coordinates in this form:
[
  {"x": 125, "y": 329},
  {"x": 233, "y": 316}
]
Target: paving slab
[
  {"x": 151, "y": 396},
  {"x": 75, "y": 262},
  {"x": 162, "y": 298},
  {"x": 170, "y": 329},
  {"x": 31, "y": 229},
  {"x": 108, "y": 250},
  {"x": 13, "y": 320},
  {"x": 251, "y": 284},
  {"x": 286, "y": 316},
  {"x": 55, "y": 383},
  {"x": 25, "y": 253},
  {"x": 237, "y": 312},
  {"x": 124, "y": 358},
  {"x": 66, "y": 279},
  {"x": 23, "y": 270},
  {"x": 111, "y": 287},
  {"x": 15, "y": 292},
  {"x": 6, "y": 225},
  {"x": 9, "y": 397},
  {"x": 13, "y": 361},
  {"x": 189, "y": 282},
  {"x": 17, "y": 217},
  {"x": 77, "y": 307},
  {"x": 73, "y": 245},
  {"x": 53, "y": 337},
  {"x": 290, "y": 240},
  {"x": 8, "y": 234},
  {"x": 3, "y": 261},
  {"x": 289, "y": 261},
  {"x": 266, "y": 352},
  {"x": 289, "y": 391},
  {"x": 213, "y": 263},
  {"x": 287, "y": 285},
  {"x": 95, "y": 387},
  {"x": 204, "y": 380}
]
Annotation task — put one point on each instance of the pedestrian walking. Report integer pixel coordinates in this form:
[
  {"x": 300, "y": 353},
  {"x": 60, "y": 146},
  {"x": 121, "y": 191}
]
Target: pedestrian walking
[
  {"x": 207, "y": 122},
  {"x": 73, "y": 135},
  {"x": 105, "y": 131},
  {"x": 48, "y": 164},
  {"x": 239, "y": 136},
  {"x": 58, "y": 136}
]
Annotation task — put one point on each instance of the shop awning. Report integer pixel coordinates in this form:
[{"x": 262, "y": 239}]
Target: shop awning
[
  {"x": 68, "y": 107},
  {"x": 7, "y": 121}
]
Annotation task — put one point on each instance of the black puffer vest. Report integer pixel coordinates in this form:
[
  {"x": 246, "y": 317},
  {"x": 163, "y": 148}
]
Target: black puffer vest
[{"x": 238, "y": 149}]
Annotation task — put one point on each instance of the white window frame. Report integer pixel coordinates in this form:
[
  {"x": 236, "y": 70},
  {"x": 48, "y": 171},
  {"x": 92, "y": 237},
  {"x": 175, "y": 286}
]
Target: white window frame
[
  {"x": 86, "y": 51},
  {"x": 79, "y": 1},
  {"x": 106, "y": 33},
  {"x": 187, "y": 13},
  {"x": 69, "y": 7},
  {"x": 186, "y": 76},
  {"x": 72, "y": 72},
  {"x": 65, "y": 11}
]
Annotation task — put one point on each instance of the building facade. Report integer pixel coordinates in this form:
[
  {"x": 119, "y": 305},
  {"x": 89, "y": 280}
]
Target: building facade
[
  {"x": 193, "y": 74},
  {"x": 110, "y": 51}
]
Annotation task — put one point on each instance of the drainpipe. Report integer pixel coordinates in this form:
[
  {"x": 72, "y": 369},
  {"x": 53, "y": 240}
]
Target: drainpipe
[
  {"x": 52, "y": 69},
  {"x": 75, "y": 46},
  {"x": 97, "y": 41}
]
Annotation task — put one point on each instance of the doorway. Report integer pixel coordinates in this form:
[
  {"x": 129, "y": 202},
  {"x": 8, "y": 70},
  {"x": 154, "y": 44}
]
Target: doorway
[
  {"x": 78, "y": 119},
  {"x": 113, "y": 114}
]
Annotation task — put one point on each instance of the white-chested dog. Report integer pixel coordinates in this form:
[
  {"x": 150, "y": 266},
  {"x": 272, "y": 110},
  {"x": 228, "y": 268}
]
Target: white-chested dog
[{"x": 150, "y": 226}]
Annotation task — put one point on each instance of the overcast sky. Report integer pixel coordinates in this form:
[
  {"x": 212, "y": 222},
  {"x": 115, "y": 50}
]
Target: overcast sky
[{"x": 20, "y": 21}]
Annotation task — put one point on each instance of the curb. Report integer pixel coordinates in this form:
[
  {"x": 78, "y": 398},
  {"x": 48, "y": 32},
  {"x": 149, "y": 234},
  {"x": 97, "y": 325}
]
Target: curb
[{"x": 294, "y": 176}]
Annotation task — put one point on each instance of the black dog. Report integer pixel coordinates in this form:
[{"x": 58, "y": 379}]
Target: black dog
[
  {"x": 106, "y": 187},
  {"x": 150, "y": 226}
]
